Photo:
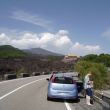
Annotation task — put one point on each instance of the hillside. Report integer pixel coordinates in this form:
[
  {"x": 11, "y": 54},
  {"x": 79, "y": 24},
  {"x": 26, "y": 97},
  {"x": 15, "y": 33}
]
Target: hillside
[
  {"x": 7, "y": 51},
  {"x": 40, "y": 51}
]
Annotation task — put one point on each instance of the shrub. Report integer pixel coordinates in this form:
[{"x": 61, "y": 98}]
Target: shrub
[{"x": 99, "y": 72}]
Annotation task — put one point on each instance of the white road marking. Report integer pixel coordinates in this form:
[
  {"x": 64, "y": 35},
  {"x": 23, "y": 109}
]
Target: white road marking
[
  {"x": 17, "y": 79},
  {"x": 68, "y": 106},
  {"x": 2, "y": 97}
]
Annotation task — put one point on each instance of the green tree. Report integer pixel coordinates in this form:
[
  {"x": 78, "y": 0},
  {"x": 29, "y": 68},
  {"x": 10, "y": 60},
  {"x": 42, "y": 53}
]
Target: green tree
[
  {"x": 18, "y": 72},
  {"x": 99, "y": 72},
  {"x": 7, "y": 51},
  {"x": 54, "y": 58},
  {"x": 102, "y": 58},
  {"x": 90, "y": 57},
  {"x": 105, "y": 59}
]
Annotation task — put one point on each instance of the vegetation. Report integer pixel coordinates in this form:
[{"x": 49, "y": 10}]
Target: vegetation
[
  {"x": 102, "y": 58},
  {"x": 21, "y": 70},
  {"x": 7, "y": 51},
  {"x": 55, "y": 58},
  {"x": 31, "y": 64},
  {"x": 99, "y": 72}
]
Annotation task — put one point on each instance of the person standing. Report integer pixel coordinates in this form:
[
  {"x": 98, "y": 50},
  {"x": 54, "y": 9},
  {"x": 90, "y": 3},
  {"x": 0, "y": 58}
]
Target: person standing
[{"x": 88, "y": 85}]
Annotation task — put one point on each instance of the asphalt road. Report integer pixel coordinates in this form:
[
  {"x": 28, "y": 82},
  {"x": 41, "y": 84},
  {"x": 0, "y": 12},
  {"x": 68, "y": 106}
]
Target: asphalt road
[{"x": 30, "y": 94}]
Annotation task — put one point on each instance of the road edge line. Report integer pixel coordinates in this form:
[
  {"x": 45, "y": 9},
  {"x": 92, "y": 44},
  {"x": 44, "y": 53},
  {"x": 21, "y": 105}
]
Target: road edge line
[
  {"x": 2, "y": 97},
  {"x": 67, "y": 106}
]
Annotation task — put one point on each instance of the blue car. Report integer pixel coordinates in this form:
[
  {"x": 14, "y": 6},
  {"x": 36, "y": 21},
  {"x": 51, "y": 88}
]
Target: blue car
[{"x": 62, "y": 87}]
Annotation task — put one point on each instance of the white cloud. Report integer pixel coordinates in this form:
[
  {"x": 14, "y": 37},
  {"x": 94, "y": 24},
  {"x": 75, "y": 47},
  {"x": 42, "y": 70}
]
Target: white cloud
[
  {"x": 59, "y": 42},
  {"x": 63, "y": 32},
  {"x": 31, "y": 18},
  {"x": 106, "y": 33},
  {"x": 80, "y": 49},
  {"x": 4, "y": 39}
]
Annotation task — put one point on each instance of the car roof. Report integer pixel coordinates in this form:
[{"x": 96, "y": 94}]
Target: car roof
[{"x": 61, "y": 75}]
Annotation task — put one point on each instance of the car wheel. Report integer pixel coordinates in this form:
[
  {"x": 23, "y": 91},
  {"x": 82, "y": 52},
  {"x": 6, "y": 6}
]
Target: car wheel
[
  {"x": 77, "y": 100},
  {"x": 48, "y": 98}
]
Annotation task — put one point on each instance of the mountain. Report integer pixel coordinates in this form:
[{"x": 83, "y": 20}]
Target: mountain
[
  {"x": 7, "y": 51},
  {"x": 40, "y": 51}
]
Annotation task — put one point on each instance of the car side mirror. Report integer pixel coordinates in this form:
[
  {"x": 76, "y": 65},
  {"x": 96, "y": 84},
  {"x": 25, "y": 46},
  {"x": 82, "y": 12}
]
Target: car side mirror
[{"x": 47, "y": 79}]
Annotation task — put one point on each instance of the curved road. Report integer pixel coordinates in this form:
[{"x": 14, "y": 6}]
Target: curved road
[{"x": 30, "y": 94}]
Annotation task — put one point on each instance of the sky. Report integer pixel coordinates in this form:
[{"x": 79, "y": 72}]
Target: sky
[{"x": 78, "y": 27}]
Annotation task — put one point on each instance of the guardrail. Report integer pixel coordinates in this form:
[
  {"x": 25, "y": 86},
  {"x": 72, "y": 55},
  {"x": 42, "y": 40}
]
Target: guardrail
[
  {"x": 102, "y": 99},
  {"x": 22, "y": 75},
  {"x": 25, "y": 75},
  {"x": 10, "y": 76}
]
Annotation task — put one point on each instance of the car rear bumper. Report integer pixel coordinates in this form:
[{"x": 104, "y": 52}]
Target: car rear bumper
[{"x": 62, "y": 96}]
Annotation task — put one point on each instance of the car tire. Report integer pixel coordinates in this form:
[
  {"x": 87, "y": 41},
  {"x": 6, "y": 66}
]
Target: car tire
[
  {"x": 48, "y": 98},
  {"x": 77, "y": 100}
]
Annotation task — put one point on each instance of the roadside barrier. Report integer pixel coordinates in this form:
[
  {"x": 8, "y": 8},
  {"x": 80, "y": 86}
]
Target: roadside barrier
[
  {"x": 36, "y": 73},
  {"x": 25, "y": 75},
  {"x": 102, "y": 99},
  {"x": 10, "y": 76}
]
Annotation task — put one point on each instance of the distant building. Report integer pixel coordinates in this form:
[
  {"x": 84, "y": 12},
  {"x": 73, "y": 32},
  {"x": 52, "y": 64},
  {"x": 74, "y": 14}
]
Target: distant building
[{"x": 70, "y": 58}]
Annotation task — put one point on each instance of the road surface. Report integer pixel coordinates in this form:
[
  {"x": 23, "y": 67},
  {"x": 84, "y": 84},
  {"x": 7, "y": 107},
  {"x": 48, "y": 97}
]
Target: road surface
[{"x": 30, "y": 94}]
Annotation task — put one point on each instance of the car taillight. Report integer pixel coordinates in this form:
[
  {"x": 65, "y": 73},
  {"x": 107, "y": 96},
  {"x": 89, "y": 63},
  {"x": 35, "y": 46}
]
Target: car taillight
[{"x": 74, "y": 82}]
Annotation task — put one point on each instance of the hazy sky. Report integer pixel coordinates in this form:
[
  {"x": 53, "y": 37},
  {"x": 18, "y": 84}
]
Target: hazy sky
[{"x": 64, "y": 26}]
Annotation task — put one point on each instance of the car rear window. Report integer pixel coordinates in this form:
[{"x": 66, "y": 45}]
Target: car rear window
[
  {"x": 55, "y": 72},
  {"x": 63, "y": 80}
]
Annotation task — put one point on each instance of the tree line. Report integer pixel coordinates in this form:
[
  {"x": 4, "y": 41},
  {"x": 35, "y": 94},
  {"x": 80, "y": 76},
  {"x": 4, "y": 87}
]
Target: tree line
[
  {"x": 102, "y": 58},
  {"x": 97, "y": 64}
]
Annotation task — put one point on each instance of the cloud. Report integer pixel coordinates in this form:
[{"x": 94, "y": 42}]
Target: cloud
[
  {"x": 106, "y": 33},
  {"x": 63, "y": 32},
  {"x": 4, "y": 39},
  {"x": 31, "y": 18},
  {"x": 81, "y": 49},
  {"x": 58, "y": 42}
]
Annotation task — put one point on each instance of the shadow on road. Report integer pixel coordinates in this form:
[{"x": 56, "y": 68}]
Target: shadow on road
[
  {"x": 73, "y": 101},
  {"x": 57, "y": 100},
  {"x": 69, "y": 101}
]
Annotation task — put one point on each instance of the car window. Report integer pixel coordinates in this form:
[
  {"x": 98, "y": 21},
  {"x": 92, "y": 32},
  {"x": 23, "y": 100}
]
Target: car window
[
  {"x": 63, "y": 80},
  {"x": 55, "y": 72}
]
